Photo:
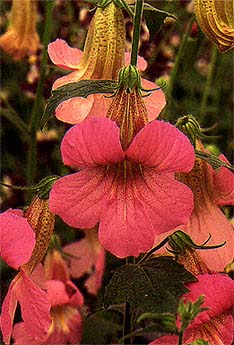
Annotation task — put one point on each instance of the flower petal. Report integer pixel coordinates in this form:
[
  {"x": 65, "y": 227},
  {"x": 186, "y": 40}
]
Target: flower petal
[
  {"x": 74, "y": 110},
  {"x": 209, "y": 219},
  {"x": 91, "y": 143},
  {"x": 224, "y": 184},
  {"x": 79, "y": 198},
  {"x": 141, "y": 62},
  {"x": 125, "y": 228},
  {"x": 161, "y": 145},
  {"x": 219, "y": 295},
  {"x": 72, "y": 77},
  {"x": 64, "y": 56},
  {"x": 17, "y": 239},
  {"x": 35, "y": 307},
  {"x": 168, "y": 202},
  {"x": 155, "y": 102}
]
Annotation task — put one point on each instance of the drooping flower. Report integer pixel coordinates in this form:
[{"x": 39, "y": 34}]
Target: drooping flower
[
  {"x": 214, "y": 325},
  {"x": 216, "y": 20},
  {"x": 28, "y": 288},
  {"x": 129, "y": 189},
  {"x": 65, "y": 299},
  {"x": 102, "y": 58},
  {"x": 21, "y": 38},
  {"x": 87, "y": 257}
]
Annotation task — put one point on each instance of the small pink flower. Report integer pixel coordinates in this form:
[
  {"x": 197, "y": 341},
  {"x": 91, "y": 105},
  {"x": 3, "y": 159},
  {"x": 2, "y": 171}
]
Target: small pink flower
[
  {"x": 132, "y": 193},
  {"x": 214, "y": 325},
  {"x": 17, "y": 244},
  {"x": 87, "y": 257},
  {"x": 77, "y": 109},
  {"x": 65, "y": 299}
]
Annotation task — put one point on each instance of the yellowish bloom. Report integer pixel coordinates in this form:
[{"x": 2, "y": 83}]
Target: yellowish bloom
[
  {"x": 21, "y": 38},
  {"x": 216, "y": 19}
]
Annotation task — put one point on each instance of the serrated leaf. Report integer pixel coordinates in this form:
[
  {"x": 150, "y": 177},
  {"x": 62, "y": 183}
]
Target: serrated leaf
[
  {"x": 152, "y": 286},
  {"x": 214, "y": 161},
  {"x": 155, "y": 18},
  {"x": 82, "y": 88}
]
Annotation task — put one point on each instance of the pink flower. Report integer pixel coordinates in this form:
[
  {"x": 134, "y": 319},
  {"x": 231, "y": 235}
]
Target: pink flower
[
  {"x": 65, "y": 299},
  {"x": 77, "y": 109},
  {"x": 18, "y": 249},
  {"x": 87, "y": 257},
  {"x": 214, "y": 325},
  {"x": 132, "y": 193}
]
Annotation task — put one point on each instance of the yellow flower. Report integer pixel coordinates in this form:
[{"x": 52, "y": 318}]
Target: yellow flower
[
  {"x": 21, "y": 38},
  {"x": 216, "y": 19}
]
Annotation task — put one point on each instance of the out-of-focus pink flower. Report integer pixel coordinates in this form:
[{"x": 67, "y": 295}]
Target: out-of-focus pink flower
[
  {"x": 65, "y": 299},
  {"x": 131, "y": 192},
  {"x": 21, "y": 38},
  {"x": 27, "y": 287},
  {"x": 77, "y": 109},
  {"x": 214, "y": 325},
  {"x": 87, "y": 257}
]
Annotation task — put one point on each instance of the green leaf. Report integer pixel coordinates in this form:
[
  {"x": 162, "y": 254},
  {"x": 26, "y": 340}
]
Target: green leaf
[
  {"x": 155, "y": 18},
  {"x": 159, "y": 322},
  {"x": 82, "y": 88},
  {"x": 214, "y": 161},
  {"x": 152, "y": 286}
]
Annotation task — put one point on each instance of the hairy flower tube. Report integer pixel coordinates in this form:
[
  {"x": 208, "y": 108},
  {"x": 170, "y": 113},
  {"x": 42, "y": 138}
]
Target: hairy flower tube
[
  {"x": 131, "y": 192},
  {"x": 103, "y": 57},
  {"x": 214, "y": 325},
  {"x": 28, "y": 288},
  {"x": 66, "y": 301},
  {"x": 21, "y": 38},
  {"x": 216, "y": 20}
]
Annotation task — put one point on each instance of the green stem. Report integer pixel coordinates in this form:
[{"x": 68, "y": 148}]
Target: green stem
[
  {"x": 180, "y": 341},
  {"x": 136, "y": 31},
  {"x": 13, "y": 117},
  {"x": 127, "y": 322},
  {"x": 38, "y": 104},
  {"x": 174, "y": 72},
  {"x": 209, "y": 80}
]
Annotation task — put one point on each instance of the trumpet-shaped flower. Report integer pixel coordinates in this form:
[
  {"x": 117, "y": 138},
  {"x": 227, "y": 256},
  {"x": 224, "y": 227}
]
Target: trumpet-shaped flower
[
  {"x": 21, "y": 38},
  {"x": 87, "y": 257},
  {"x": 28, "y": 288},
  {"x": 65, "y": 299},
  {"x": 131, "y": 191},
  {"x": 211, "y": 189},
  {"x": 215, "y": 18},
  {"x": 214, "y": 325},
  {"x": 102, "y": 58}
]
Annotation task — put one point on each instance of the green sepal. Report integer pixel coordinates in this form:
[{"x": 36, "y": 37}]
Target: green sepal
[
  {"x": 82, "y": 88},
  {"x": 129, "y": 78},
  {"x": 214, "y": 161}
]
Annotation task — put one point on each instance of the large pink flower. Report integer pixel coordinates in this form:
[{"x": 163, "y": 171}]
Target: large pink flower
[
  {"x": 132, "y": 193},
  {"x": 65, "y": 299},
  {"x": 17, "y": 244},
  {"x": 214, "y": 325},
  {"x": 77, "y": 109}
]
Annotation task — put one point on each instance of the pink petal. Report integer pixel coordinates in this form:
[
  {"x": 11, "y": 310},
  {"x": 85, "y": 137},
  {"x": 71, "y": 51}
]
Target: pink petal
[
  {"x": 20, "y": 336},
  {"x": 91, "y": 143},
  {"x": 219, "y": 295},
  {"x": 79, "y": 198},
  {"x": 100, "y": 106},
  {"x": 76, "y": 298},
  {"x": 224, "y": 184},
  {"x": 166, "y": 340},
  {"x": 64, "y": 56},
  {"x": 8, "y": 311},
  {"x": 35, "y": 307},
  {"x": 155, "y": 102},
  {"x": 161, "y": 145},
  {"x": 94, "y": 282},
  {"x": 74, "y": 110},
  {"x": 72, "y": 77},
  {"x": 17, "y": 239},
  {"x": 209, "y": 219},
  {"x": 167, "y": 202},
  {"x": 125, "y": 228},
  {"x": 57, "y": 293}
]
